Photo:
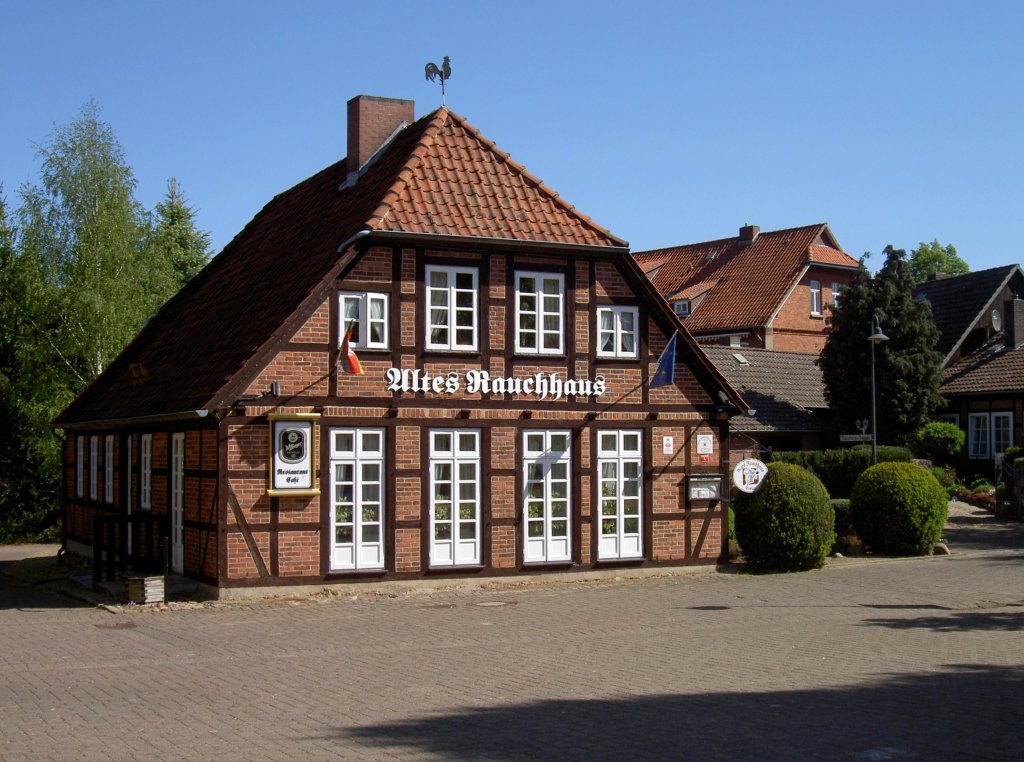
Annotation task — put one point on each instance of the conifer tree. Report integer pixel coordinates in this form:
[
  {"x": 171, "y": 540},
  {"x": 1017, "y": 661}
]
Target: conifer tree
[
  {"x": 907, "y": 368},
  {"x": 175, "y": 236}
]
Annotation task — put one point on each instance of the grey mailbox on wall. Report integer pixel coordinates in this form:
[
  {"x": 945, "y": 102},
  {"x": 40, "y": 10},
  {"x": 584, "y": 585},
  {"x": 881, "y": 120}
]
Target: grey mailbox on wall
[{"x": 705, "y": 487}]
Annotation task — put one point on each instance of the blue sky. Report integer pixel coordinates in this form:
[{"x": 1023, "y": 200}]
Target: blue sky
[{"x": 895, "y": 122}]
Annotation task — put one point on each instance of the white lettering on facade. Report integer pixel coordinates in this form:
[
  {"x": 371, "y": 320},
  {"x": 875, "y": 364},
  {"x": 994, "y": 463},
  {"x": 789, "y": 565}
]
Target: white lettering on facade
[{"x": 543, "y": 385}]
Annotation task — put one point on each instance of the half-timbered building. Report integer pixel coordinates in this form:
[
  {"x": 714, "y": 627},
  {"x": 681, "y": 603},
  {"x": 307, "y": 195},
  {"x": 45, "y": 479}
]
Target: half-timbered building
[{"x": 418, "y": 362}]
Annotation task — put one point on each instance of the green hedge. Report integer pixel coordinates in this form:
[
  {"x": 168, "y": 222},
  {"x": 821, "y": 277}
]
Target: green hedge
[
  {"x": 839, "y": 469},
  {"x": 788, "y": 523},
  {"x": 898, "y": 508}
]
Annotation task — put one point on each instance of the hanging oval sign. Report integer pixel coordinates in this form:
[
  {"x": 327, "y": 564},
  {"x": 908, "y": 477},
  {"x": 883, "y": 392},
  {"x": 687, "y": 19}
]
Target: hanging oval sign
[{"x": 748, "y": 475}]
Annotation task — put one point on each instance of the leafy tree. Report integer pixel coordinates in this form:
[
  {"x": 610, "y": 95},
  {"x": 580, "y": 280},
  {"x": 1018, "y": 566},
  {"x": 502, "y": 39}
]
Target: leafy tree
[
  {"x": 907, "y": 367},
  {"x": 81, "y": 270},
  {"x": 175, "y": 236},
  {"x": 933, "y": 257},
  {"x": 86, "y": 230}
]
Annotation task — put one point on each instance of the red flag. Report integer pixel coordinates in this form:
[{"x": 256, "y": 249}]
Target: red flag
[{"x": 350, "y": 362}]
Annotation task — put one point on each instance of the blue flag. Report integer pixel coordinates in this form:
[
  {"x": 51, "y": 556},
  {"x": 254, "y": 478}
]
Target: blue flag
[{"x": 665, "y": 374}]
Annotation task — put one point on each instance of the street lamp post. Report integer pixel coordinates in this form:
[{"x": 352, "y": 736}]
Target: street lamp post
[{"x": 876, "y": 337}]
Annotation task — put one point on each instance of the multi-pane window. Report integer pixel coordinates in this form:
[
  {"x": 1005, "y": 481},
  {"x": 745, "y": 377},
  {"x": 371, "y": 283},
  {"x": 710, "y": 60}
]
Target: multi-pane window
[
  {"x": 146, "y": 472},
  {"x": 451, "y": 308},
  {"x": 836, "y": 291},
  {"x": 79, "y": 466},
  {"x": 357, "y": 498},
  {"x": 815, "y": 297},
  {"x": 454, "y": 497},
  {"x": 978, "y": 435},
  {"x": 366, "y": 316},
  {"x": 547, "y": 522},
  {"x": 94, "y": 448},
  {"x": 682, "y": 307},
  {"x": 1002, "y": 432},
  {"x": 619, "y": 475},
  {"x": 989, "y": 434},
  {"x": 108, "y": 469},
  {"x": 617, "y": 334},
  {"x": 540, "y": 313},
  {"x": 178, "y": 502}
]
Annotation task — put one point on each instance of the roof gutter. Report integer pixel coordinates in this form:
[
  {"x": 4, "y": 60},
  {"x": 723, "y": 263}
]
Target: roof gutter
[{"x": 184, "y": 415}]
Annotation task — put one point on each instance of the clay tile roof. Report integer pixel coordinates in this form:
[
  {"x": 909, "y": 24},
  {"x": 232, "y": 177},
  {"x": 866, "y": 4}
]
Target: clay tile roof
[
  {"x": 437, "y": 176},
  {"x": 752, "y": 278},
  {"x": 957, "y": 302},
  {"x": 784, "y": 389},
  {"x": 992, "y": 368},
  {"x": 461, "y": 184}
]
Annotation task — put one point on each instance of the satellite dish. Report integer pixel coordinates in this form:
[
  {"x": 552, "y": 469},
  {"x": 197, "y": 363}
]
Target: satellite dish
[{"x": 997, "y": 321}]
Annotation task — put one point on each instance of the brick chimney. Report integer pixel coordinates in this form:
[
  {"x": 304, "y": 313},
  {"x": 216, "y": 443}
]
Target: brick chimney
[
  {"x": 371, "y": 121},
  {"x": 748, "y": 234},
  {"x": 1013, "y": 322}
]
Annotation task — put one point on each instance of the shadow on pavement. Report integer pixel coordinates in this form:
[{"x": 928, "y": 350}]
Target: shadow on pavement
[
  {"x": 954, "y": 714},
  {"x": 961, "y": 621},
  {"x": 37, "y": 581}
]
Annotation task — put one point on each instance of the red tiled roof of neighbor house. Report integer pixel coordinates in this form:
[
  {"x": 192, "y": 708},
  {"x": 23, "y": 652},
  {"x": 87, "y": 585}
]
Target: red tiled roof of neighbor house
[
  {"x": 435, "y": 177},
  {"x": 752, "y": 277}
]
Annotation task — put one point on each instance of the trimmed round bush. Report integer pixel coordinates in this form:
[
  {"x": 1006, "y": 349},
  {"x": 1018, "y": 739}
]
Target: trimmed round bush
[
  {"x": 939, "y": 442},
  {"x": 788, "y": 523},
  {"x": 898, "y": 509}
]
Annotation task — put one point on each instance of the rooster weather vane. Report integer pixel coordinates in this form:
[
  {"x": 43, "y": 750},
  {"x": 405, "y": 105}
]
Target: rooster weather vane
[{"x": 444, "y": 72}]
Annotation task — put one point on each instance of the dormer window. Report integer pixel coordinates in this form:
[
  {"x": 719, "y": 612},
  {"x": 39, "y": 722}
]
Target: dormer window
[{"x": 682, "y": 307}]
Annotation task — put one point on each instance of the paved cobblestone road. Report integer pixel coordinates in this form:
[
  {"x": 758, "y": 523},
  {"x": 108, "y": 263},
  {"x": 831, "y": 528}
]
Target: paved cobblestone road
[{"x": 864, "y": 660}]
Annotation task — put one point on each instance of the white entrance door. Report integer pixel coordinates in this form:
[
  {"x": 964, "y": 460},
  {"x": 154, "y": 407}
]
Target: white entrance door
[
  {"x": 546, "y": 523},
  {"x": 619, "y": 469},
  {"x": 178, "y": 503},
  {"x": 455, "y": 497},
  {"x": 357, "y": 498}
]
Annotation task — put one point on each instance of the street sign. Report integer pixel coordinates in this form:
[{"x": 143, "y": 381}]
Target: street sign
[{"x": 854, "y": 437}]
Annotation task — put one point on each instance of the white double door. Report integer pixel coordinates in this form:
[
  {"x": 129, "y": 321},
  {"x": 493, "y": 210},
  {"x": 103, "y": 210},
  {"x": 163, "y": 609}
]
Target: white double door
[{"x": 357, "y": 498}]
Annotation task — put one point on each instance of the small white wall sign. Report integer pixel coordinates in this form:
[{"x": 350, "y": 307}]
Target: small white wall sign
[
  {"x": 667, "y": 445},
  {"x": 705, "y": 444}
]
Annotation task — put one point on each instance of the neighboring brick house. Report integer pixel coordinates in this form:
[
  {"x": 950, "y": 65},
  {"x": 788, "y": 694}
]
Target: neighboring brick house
[
  {"x": 786, "y": 396},
  {"x": 760, "y": 289},
  {"x": 504, "y": 423},
  {"x": 980, "y": 317}
]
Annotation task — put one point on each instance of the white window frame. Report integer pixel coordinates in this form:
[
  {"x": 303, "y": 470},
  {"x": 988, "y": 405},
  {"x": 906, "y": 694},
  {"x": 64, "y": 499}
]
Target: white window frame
[
  {"x": 547, "y": 496},
  {"x": 620, "y": 486},
  {"x": 94, "y": 451},
  {"x": 979, "y": 436},
  {"x": 539, "y": 312},
  {"x": 178, "y": 501},
  {"x": 455, "y": 530},
  {"x": 146, "y": 473},
  {"x": 79, "y": 466},
  {"x": 815, "y": 286},
  {"x": 447, "y": 298},
  {"x": 619, "y": 336},
  {"x": 353, "y": 466},
  {"x": 999, "y": 444},
  {"x": 682, "y": 307},
  {"x": 108, "y": 469},
  {"x": 983, "y": 440},
  {"x": 837, "y": 290},
  {"x": 361, "y": 336}
]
